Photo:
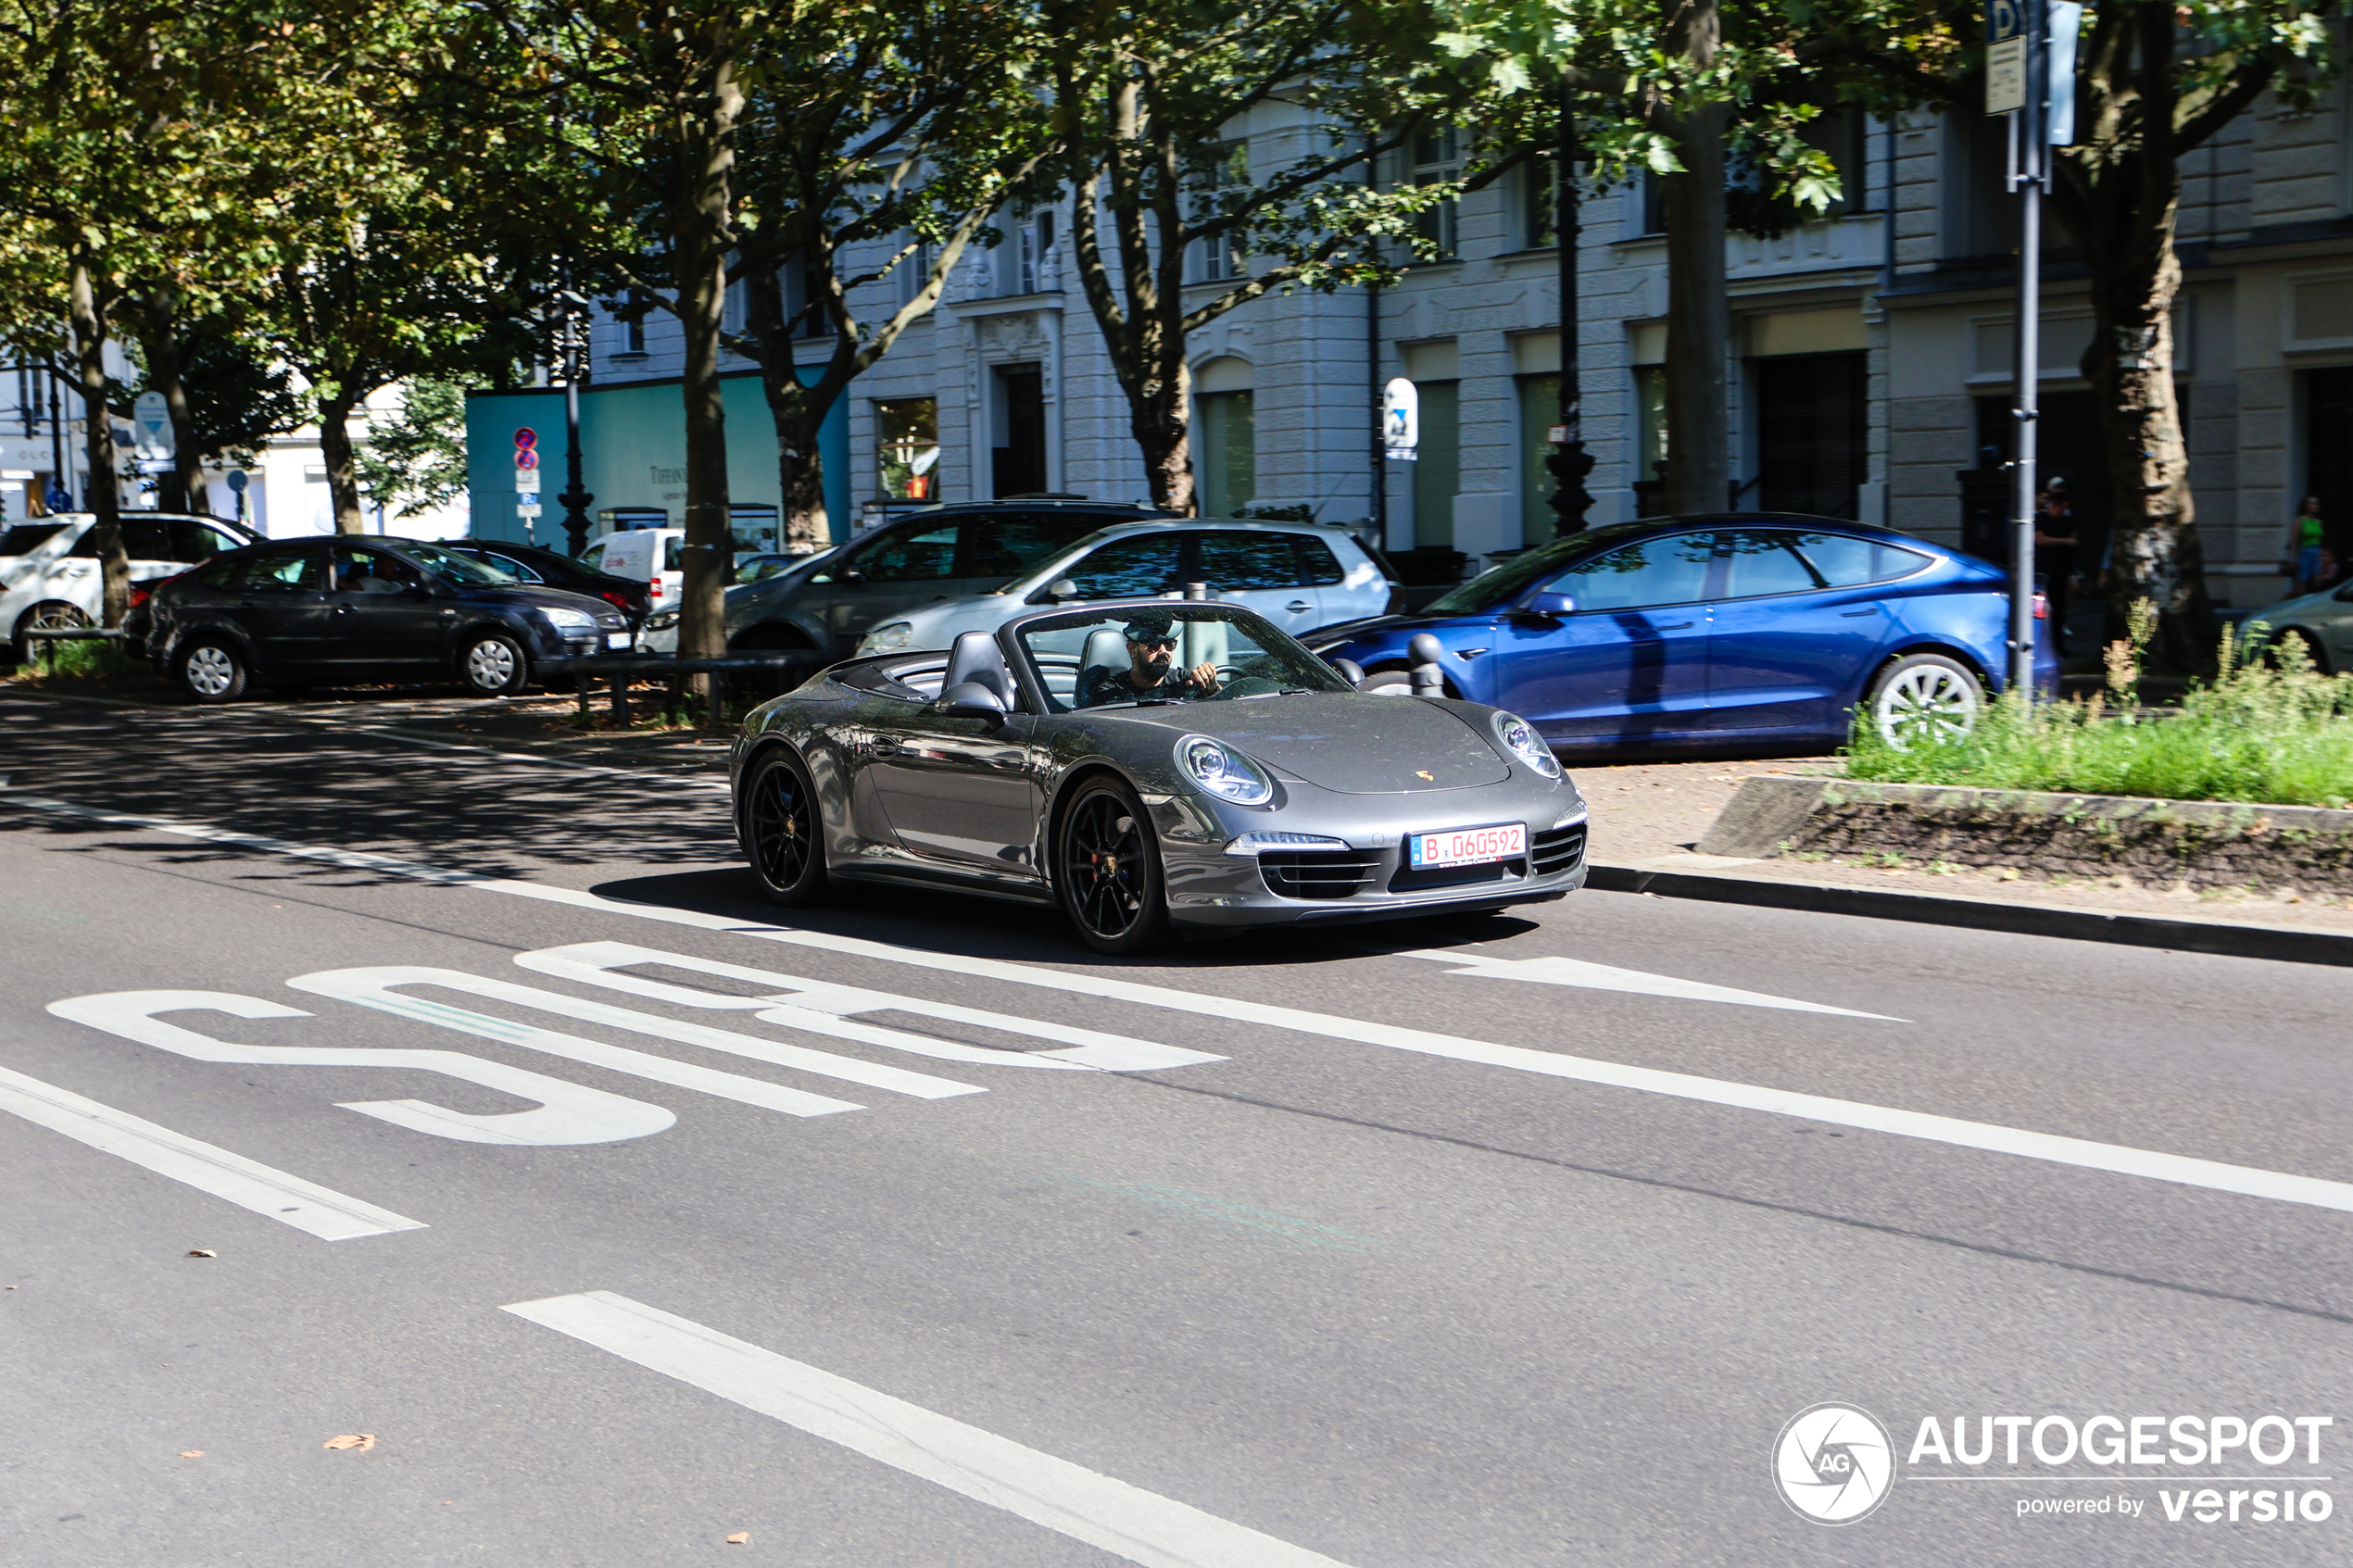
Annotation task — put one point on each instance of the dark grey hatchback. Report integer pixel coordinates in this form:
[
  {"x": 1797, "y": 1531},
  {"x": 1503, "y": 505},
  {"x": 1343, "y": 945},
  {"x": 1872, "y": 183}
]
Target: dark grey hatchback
[{"x": 308, "y": 612}]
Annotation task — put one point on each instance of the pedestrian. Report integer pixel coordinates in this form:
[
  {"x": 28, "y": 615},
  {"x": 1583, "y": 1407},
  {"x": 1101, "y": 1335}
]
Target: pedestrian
[
  {"x": 2306, "y": 538},
  {"x": 2055, "y": 553}
]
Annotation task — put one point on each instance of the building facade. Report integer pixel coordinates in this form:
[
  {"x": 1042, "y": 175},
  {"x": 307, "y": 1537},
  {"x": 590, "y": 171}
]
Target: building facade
[{"x": 1868, "y": 368}]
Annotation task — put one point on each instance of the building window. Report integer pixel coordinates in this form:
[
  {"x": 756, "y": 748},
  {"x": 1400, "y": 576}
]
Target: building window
[
  {"x": 1650, "y": 204},
  {"x": 1220, "y": 256},
  {"x": 1650, "y": 438},
  {"x": 1438, "y": 465},
  {"x": 1437, "y": 160},
  {"x": 1228, "y": 460},
  {"x": 1020, "y": 251},
  {"x": 634, "y": 329},
  {"x": 1539, "y": 413},
  {"x": 1539, "y": 199},
  {"x": 907, "y": 448},
  {"x": 734, "y": 306}
]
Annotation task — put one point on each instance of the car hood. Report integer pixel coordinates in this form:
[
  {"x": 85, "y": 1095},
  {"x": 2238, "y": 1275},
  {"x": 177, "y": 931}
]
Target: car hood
[
  {"x": 1349, "y": 744},
  {"x": 2320, "y": 603}
]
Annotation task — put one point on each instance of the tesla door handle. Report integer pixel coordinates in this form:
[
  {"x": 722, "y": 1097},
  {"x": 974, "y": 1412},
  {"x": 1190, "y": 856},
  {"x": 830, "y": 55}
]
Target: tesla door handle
[
  {"x": 1298, "y": 606},
  {"x": 1670, "y": 625},
  {"x": 1851, "y": 614}
]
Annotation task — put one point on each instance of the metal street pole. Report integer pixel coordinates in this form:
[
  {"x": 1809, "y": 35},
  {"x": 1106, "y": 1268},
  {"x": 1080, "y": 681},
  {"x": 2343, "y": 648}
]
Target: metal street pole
[
  {"x": 2029, "y": 165},
  {"x": 576, "y": 497},
  {"x": 1569, "y": 462}
]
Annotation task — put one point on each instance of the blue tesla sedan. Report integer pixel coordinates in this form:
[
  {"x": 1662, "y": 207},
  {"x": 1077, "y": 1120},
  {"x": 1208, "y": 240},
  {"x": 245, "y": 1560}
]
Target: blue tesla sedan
[{"x": 1734, "y": 632}]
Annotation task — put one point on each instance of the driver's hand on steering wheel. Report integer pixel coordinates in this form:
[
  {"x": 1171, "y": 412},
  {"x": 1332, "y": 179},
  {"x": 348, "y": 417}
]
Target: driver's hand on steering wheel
[{"x": 1203, "y": 676}]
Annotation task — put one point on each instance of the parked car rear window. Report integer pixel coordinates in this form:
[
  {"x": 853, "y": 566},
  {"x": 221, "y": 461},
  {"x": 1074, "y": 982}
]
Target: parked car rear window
[
  {"x": 917, "y": 555},
  {"x": 1000, "y": 546},
  {"x": 1318, "y": 567},
  {"x": 192, "y": 541},
  {"x": 23, "y": 538},
  {"x": 1844, "y": 560},
  {"x": 1141, "y": 563},
  {"x": 1236, "y": 561},
  {"x": 672, "y": 559}
]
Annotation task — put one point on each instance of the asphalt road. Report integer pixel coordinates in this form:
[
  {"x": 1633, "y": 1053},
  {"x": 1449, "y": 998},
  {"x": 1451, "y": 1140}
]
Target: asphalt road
[{"x": 1482, "y": 1244}]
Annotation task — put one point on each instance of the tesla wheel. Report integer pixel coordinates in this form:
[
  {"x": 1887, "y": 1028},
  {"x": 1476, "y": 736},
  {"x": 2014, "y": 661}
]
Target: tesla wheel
[
  {"x": 1108, "y": 871},
  {"x": 781, "y": 830},
  {"x": 212, "y": 670},
  {"x": 492, "y": 664},
  {"x": 1924, "y": 697}
]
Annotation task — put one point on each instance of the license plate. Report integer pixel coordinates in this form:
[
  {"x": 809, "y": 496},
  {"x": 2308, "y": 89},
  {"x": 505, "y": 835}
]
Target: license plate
[
  {"x": 618, "y": 640},
  {"x": 1467, "y": 846}
]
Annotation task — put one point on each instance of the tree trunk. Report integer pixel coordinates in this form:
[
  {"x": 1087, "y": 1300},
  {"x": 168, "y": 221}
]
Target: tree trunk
[
  {"x": 2121, "y": 204},
  {"x": 104, "y": 497},
  {"x": 342, "y": 459},
  {"x": 796, "y": 409},
  {"x": 1699, "y": 322},
  {"x": 183, "y": 488},
  {"x": 701, "y": 222},
  {"x": 1161, "y": 417}
]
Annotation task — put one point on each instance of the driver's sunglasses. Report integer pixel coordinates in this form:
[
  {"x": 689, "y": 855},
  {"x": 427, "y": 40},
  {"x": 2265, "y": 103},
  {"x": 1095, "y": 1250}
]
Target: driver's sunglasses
[{"x": 1157, "y": 643}]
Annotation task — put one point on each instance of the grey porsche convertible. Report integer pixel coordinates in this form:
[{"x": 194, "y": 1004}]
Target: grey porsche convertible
[{"x": 1152, "y": 766}]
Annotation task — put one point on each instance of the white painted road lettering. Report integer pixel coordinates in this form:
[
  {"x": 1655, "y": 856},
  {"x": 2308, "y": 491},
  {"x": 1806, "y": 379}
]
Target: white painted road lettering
[
  {"x": 1086, "y": 1505},
  {"x": 568, "y": 1113}
]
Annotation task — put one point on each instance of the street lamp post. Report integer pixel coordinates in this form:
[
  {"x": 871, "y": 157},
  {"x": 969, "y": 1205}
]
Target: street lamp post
[
  {"x": 1569, "y": 462},
  {"x": 572, "y": 347}
]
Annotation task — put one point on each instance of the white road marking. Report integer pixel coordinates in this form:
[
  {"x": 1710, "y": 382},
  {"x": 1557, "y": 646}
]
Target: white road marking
[
  {"x": 2083, "y": 1153},
  {"x": 814, "y": 1004},
  {"x": 568, "y": 1113},
  {"x": 371, "y": 988},
  {"x": 1086, "y": 1505},
  {"x": 1605, "y": 977},
  {"x": 248, "y": 1183},
  {"x": 484, "y": 755}
]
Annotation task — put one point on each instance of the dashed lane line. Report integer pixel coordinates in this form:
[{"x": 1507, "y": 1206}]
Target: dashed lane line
[
  {"x": 1086, "y": 1505},
  {"x": 2083, "y": 1153},
  {"x": 248, "y": 1183}
]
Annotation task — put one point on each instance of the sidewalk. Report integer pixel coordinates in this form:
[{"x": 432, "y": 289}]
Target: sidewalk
[{"x": 1647, "y": 816}]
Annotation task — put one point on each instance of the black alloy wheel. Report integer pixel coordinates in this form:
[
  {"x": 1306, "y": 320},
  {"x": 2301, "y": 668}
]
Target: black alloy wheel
[
  {"x": 1109, "y": 870},
  {"x": 781, "y": 830}
]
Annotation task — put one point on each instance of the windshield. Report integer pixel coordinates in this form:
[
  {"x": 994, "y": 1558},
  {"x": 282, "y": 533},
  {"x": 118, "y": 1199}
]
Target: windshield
[
  {"x": 457, "y": 567},
  {"x": 1493, "y": 590},
  {"x": 1174, "y": 652}
]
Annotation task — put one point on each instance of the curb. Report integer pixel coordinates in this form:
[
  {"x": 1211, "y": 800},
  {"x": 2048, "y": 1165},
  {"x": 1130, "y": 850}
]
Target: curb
[{"x": 2286, "y": 944}]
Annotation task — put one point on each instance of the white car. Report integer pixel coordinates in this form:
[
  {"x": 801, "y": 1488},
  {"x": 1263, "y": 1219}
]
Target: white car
[
  {"x": 1298, "y": 575},
  {"x": 49, "y": 571}
]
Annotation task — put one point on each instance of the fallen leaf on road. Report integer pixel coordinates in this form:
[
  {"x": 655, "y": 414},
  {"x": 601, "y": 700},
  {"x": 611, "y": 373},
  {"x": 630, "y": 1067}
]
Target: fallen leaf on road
[
  {"x": 741, "y": 1538},
  {"x": 363, "y": 1441},
  {"x": 193, "y": 1252},
  {"x": 192, "y": 1453}
]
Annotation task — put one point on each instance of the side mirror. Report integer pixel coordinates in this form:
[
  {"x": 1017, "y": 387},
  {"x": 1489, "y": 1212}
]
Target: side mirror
[
  {"x": 969, "y": 699},
  {"x": 1063, "y": 588},
  {"x": 1554, "y": 605},
  {"x": 1348, "y": 670}
]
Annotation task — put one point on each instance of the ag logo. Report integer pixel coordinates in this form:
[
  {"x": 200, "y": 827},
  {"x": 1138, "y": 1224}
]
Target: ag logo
[{"x": 1833, "y": 1463}]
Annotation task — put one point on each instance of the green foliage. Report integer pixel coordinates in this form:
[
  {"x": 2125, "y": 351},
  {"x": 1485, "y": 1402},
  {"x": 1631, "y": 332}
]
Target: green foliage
[
  {"x": 2271, "y": 731},
  {"x": 416, "y": 460}
]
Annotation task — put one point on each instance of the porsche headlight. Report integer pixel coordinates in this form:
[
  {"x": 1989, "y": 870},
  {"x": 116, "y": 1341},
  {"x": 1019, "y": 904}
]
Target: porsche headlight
[
  {"x": 577, "y": 619},
  {"x": 886, "y": 638},
  {"x": 1223, "y": 774},
  {"x": 1519, "y": 737}
]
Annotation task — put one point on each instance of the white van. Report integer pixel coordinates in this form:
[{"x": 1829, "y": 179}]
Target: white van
[{"x": 656, "y": 557}]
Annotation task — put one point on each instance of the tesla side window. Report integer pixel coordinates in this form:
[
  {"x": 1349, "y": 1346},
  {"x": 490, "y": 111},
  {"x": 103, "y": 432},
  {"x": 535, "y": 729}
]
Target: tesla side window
[
  {"x": 1759, "y": 561},
  {"x": 1844, "y": 560},
  {"x": 1236, "y": 561},
  {"x": 1670, "y": 570},
  {"x": 1138, "y": 565}
]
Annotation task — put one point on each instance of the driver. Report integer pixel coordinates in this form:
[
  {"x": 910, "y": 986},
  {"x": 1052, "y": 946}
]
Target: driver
[{"x": 1151, "y": 672}]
